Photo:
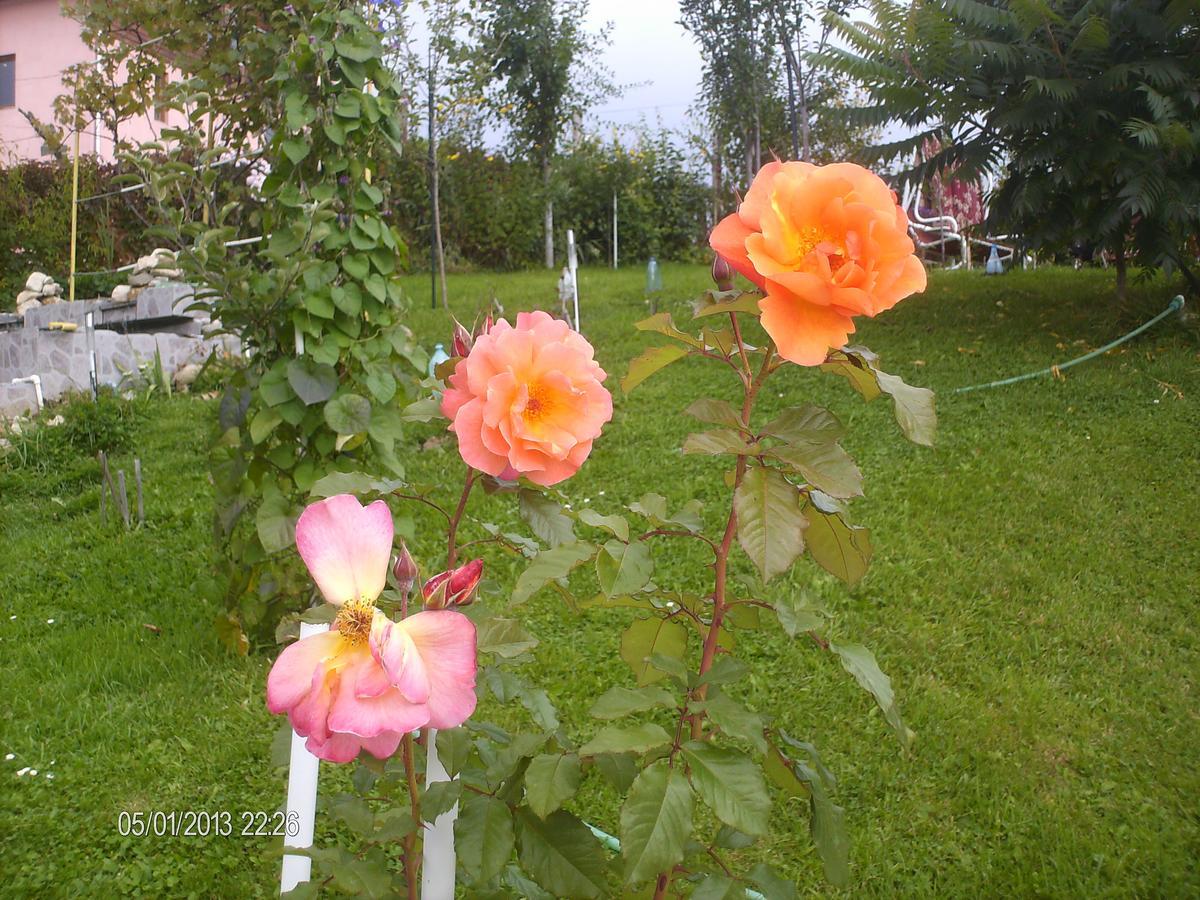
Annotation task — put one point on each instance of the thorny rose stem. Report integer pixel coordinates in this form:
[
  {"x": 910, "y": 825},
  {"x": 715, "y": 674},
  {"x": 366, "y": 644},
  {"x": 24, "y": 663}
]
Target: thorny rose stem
[{"x": 751, "y": 387}]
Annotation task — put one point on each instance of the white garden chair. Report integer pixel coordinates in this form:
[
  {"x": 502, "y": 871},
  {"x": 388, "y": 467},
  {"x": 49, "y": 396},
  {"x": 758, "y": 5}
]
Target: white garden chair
[{"x": 939, "y": 232}]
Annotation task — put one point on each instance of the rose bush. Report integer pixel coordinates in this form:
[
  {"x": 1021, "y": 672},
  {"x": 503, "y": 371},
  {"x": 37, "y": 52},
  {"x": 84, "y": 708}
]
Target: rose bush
[{"x": 525, "y": 403}]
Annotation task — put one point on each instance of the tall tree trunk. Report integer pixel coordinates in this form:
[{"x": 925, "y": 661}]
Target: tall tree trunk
[
  {"x": 437, "y": 232},
  {"x": 548, "y": 219},
  {"x": 791, "y": 98},
  {"x": 792, "y": 61},
  {"x": 757, "y": 139},
  {"x": 804, "y": 126}
]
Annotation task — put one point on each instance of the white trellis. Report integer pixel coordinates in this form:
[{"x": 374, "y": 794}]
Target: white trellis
[{"x": 437, "y": 864}]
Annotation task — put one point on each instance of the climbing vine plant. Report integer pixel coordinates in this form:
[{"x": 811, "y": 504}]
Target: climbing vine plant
[{"x": 316, "y": 303}]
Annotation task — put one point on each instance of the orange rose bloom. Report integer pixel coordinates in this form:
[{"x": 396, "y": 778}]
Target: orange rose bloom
[{"x": 825, "y": 243}]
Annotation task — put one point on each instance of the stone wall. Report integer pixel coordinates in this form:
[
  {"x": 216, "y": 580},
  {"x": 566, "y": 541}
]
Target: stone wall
[{"x": 60, "y": 358}]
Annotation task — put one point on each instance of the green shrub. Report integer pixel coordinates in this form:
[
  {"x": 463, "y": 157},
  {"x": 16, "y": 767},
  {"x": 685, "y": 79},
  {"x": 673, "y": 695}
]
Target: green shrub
[
  {"x": 106, "y": 424},
  {"x": 35, "y": 226}
]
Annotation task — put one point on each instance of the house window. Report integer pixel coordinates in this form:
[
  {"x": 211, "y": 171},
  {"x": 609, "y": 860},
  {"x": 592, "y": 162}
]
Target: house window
[{"x": 8, "y": 81}]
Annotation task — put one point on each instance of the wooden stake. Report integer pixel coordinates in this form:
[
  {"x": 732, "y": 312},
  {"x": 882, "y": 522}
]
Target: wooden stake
[
  {"x": 103, "y": 489},
  {"x": 112, "y": 491},
  {"x": 137, "y": 479},
  {"x": 123, "y": 497}
]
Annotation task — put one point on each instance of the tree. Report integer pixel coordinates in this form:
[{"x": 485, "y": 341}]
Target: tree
[
  {"x": 738, "y": 86},
  {"x": 539, "y": 67},
  {"x": 751, "y": 50},
  {"x": 1088, "y": 110}
]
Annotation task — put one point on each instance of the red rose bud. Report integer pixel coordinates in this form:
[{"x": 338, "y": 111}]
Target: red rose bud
[
  {"x": 484, "y": 327},
  {"x": 461, "y": 342},
  {"x": 453, "y": 588},
  {"x": 405, "y": 570},
  {"x": 722, "y": 273}
]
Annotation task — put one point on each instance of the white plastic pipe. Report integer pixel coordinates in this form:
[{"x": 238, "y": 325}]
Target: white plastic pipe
[
  {"x": 89, "y": 326},
  {"x": 301, "y": 800},
  {"x": 36, "y": 381},
  {"x": 437, "y": 858}
]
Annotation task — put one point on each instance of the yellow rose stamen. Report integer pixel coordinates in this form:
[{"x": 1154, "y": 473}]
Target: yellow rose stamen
[
  {"x": 354, "y": 619},
  {"x": 539, "y": 403}
]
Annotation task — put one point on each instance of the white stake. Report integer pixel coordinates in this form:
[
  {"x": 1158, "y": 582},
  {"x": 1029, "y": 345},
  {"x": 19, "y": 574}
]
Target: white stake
[
  {"x": 614, "y": 230},
  {"x": 437, "y": 863},
  {"x": 573, "y": 266},
  {"x": 301, "y": 800}
]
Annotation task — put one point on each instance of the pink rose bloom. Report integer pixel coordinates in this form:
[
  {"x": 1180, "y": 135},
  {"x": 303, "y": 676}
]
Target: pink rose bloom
[
  {"x": 528, "y": 400},
  {"x": 368, "y": 681}
]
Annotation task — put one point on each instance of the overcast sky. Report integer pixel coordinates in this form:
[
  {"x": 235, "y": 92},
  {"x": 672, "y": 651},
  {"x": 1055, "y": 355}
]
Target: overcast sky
[
  {"x": 650, "y": 49},
  {"x": 648, "y": 53}
]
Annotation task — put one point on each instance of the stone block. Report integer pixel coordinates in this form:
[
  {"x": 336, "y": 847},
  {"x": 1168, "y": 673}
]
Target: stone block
[
  {"x": 17, "y": 400},
  {"x": 170, "y": 298},
  {"x": 64, "y": 312},
  {"x": 37, "y": 281}
]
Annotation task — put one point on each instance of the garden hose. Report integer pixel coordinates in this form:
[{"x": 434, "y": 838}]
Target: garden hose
[{"x": 1175, "y": 306}]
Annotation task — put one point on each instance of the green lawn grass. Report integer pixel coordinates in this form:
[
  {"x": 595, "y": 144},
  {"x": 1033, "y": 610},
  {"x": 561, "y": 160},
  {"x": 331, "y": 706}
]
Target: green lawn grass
[{"x": 1033, "y": 597}]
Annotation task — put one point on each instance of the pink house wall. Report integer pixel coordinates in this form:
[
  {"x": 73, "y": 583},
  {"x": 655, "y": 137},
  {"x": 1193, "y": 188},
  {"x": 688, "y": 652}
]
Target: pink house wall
[{"x": 44, "y": 43}]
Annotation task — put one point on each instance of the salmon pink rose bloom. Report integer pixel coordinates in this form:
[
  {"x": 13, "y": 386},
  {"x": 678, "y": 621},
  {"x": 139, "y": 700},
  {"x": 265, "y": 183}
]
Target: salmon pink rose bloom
[
  {"x": 825, "y": 244},
  {"x": 368, "y": 681},
  {"x": 528, "y": 400}
]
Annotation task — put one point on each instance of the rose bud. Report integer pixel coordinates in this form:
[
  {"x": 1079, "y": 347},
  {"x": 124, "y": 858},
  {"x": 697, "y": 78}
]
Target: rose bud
[
  {"x": 484, "y": 327},
  {"x": 453, "y": 588},
  {"x": 405, "y": 570},
  {"x": 722, "y": 273},
  {"x": 461, "y": 341}
]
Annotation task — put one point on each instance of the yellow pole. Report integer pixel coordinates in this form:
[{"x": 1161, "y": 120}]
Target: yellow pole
[{"x": 74, "y": 211}]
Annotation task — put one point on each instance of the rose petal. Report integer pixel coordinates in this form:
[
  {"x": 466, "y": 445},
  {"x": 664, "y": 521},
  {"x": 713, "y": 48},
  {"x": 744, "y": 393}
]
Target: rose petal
[
  {"x": 291, "y": 677},
  {"x": 729, "y": 239},
  {"x": 336, "y": 748},
  {"x": 802, "y": 331},
  {"x": 446, "y": 641},
  {"x": 392, "y": 648},
  {"x": 346, "y": 546}
]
